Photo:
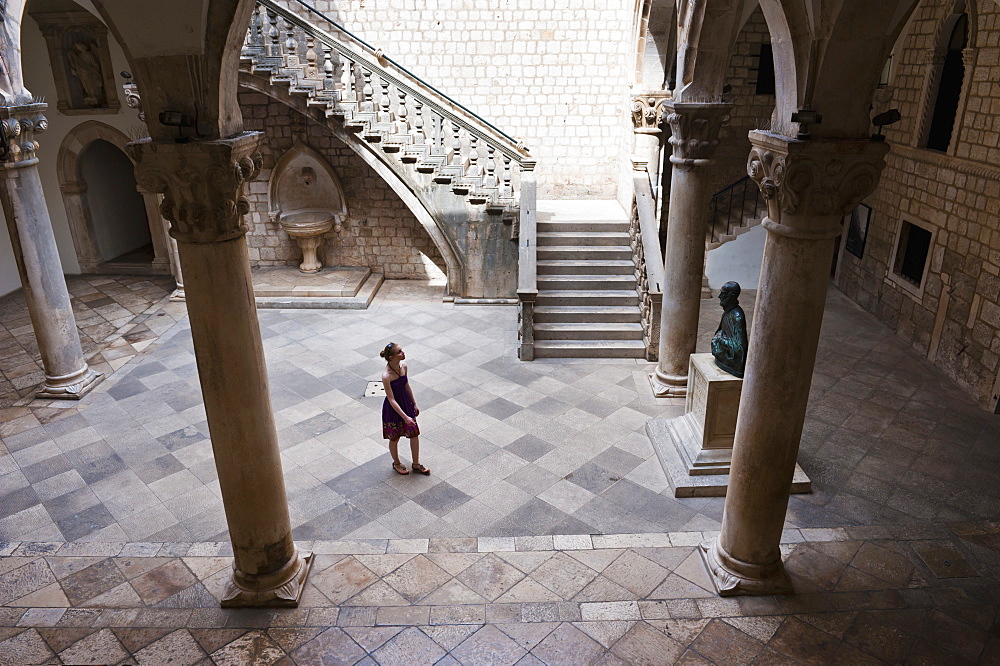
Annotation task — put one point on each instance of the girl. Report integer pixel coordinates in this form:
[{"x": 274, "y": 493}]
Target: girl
[{"x": 399, "y": 410}]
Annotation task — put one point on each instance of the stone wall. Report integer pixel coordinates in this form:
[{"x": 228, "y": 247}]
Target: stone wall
[
  {"x": 380, "y": 232},
  {"x": 955, "y": 321},
  {"x": 555, "y": 74}
]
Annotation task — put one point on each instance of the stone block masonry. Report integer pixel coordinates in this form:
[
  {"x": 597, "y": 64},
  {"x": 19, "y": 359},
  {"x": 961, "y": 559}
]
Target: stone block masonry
[
  {"x": 380, "y": 232},
  {"x": 953, "y": 316},
  {"x": 555, "y": 74}
]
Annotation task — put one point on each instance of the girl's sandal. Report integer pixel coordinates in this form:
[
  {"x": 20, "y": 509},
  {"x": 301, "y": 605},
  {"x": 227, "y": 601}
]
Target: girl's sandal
[
  {"x": 400, "y": 468},
  {"x": 420, "y": 468}
]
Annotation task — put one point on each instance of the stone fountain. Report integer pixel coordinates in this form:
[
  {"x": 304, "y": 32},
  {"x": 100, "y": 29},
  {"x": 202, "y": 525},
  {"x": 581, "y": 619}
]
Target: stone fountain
[{"x": 306, "y": 199}]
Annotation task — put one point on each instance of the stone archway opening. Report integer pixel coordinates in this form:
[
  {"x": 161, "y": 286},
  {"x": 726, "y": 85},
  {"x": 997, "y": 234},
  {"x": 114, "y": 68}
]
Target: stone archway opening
[
  {"x": 115, "y": 227},
  {"x": 115, "y": 207}
]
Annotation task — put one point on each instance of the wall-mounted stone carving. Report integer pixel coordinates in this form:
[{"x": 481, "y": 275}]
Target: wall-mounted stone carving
[{"x": 81, "y": 63}]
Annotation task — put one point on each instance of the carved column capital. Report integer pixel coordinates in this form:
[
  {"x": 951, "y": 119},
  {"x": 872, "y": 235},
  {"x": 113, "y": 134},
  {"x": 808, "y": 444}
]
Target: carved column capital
[
  {"x": 647, "y": 111},
  {"x": 201, "y": 183},
  {"x": 810, "y": 185},
  {"x": 694, "y": 128},
  {"x": 19, "y": 123}
]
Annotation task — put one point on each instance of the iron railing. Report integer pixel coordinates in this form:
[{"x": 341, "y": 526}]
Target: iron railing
[{"x": 732, "y": 207}]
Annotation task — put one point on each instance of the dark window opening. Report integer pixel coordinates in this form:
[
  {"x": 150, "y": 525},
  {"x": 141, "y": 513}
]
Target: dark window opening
[
  {"x": 911, "y": 253},
  {"x": 765, "y": 71},
  {"x": 949, "y": 88}
]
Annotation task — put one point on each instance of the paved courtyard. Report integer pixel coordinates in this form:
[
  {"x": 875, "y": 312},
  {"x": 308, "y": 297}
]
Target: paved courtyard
[{"x": 546, "y": 531}]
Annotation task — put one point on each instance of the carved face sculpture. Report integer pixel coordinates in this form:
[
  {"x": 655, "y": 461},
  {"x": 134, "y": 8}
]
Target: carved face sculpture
[
  {"x": 307, "y": 175},
  {"x": 729, "y": 294}
]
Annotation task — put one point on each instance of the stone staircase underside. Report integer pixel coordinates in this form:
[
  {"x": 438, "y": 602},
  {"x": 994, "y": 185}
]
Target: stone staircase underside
[{"x": 587, "y": 305}]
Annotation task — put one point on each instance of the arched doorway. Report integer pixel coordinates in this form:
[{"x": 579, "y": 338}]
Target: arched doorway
[
  {"x": 115, "y": 228},
  {"x": 115, "y": 208}
]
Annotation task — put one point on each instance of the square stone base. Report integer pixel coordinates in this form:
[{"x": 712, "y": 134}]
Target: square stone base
[
  {"x": 668, "y": 439},
  {"x": 333, "y": 287}
]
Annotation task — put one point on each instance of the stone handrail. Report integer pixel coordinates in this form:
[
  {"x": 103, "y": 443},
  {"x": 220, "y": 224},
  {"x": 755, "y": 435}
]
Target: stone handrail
[{"x": 644, "y": 239}]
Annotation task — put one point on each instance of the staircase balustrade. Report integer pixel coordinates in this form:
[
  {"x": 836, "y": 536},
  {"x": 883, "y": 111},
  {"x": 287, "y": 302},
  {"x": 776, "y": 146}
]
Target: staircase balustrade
[
  {"x": 358, "y": 83},
  {"x": 644, "y": 239},
  {"x": 732, "y": 208}
]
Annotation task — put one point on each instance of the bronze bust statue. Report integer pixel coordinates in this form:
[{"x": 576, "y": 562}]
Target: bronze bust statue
[{"x": 729, "y": 344}]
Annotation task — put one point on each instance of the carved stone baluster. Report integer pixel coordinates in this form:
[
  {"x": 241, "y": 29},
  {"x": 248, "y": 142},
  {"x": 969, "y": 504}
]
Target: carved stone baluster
[
  {"x": 312, "y": 69},
  {"x": 473, "y": 155},
  {"x": 331, "y": 82},
  {"x": 367, "y": 103},
  {"x": 401, "y": 125},
  {"x": 417, "y": 132},
  {"x": 456, "y": 144},
  {"x": 291, "y": 45},
  {"x": 508, "y": 190},
  {"x": 273, "y": 41},
  {"x": 384, "y": 115},
  {"x": 491, "y": 166}
]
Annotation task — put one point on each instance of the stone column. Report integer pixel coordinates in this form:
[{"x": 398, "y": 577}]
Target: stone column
[
  {"x": 695, "y": 135},
  {"x": 647, "y": 114},
  {"x": 201, "y": 183},
  {"x": 809, "y": 187},
  {"x": 67, "y": 375}
]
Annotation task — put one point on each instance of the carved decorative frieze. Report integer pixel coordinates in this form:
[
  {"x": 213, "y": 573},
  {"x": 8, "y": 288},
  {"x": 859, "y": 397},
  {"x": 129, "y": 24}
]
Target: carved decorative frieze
[
  {"x": 810, "y": 185},
  {"x": 201, "y": 183},
  {"x": 647, "y": 111},
  {"x": 81, "y": 63},
  {"x": 694, "y": 131},
  {"x": 18, "y": 126}
]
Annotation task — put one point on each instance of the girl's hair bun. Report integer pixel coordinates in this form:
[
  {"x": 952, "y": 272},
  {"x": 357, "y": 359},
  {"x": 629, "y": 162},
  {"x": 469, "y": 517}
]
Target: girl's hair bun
[{"x": 387, "y": 351}]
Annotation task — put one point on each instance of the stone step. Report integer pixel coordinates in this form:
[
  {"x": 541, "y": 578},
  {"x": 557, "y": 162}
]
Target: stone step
[
  {"x": 595, "y": 210},
  {"x": 590, "y": 349},
  {"x": 586, "y": 282},
  {"x": 587, "y": 331},
  {"x": 581, "y": 226},
  {"x": 586, "y": 314},
  {"x": 582, "y": 297},
  {"x": 565, "y": 238},
  {"x": 583, "y": 267},
  {"x": 584, "y": 252}
]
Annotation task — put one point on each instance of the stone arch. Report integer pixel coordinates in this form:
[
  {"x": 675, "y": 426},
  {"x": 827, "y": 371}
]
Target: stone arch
[
  {"x": 74, "y": 195},
  {"x": 413, "y": 201},
  {"x": 650, "y": 14}
]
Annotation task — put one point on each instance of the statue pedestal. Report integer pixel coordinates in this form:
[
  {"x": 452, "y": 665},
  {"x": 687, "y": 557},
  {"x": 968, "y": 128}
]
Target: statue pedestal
[{"x": 695, "y": 450}]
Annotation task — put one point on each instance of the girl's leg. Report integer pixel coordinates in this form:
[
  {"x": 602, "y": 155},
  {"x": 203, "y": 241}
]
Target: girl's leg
[
  {"x": 394, "y": 452},
  {"x": 415, "y": 449},
  {"x": 415, "y": 455}
]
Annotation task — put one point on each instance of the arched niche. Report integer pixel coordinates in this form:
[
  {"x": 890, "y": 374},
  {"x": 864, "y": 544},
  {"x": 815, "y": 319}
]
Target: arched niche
[
  {"x": 78, "y": 210},
  {"x": 291, "y": 189}
]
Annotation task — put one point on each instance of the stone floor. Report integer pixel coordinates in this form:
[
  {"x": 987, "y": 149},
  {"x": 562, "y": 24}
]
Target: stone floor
[
  {"x": 113, "y": 315},
  {"x": 893, "y": 553}
]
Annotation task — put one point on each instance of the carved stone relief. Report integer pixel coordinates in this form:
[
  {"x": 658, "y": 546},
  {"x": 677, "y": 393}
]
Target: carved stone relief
[{"x": 81, "y": 63}]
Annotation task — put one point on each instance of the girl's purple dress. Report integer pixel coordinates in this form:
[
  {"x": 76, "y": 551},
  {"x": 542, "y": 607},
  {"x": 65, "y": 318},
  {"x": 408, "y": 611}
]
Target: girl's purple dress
[{"x": 393, "y": 426}]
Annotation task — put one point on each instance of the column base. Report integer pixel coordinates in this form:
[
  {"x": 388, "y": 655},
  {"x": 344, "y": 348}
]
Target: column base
[
  {"x": 668, "y": 386},
  {"x": 281, "y": 589},
  {"x": 70, "y": 387},
  {"x": 178, "y": 295},
  {"x": 734, "y": 578}
]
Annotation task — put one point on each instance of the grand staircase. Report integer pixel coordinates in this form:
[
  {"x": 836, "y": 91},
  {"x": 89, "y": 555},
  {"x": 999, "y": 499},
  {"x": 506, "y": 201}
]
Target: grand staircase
[{"x": 587, "y": 306}]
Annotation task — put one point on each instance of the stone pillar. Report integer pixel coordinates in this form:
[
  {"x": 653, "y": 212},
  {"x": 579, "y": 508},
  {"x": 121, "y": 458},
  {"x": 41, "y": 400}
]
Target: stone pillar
[
  {"x": 695, "y": 135},
  {"x": 67, "y": 375},
  {"x": 809, "y": 187},
  {"x": 201, "y": 183},
  {"x": 647, "y": 114}
]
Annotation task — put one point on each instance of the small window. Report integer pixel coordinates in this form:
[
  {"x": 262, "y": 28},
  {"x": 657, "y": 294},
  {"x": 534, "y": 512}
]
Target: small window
[
  {"x": 911, "y": 256},
  {"x": 915, "y": 243},
  {"x": 765, "y": 71}
]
